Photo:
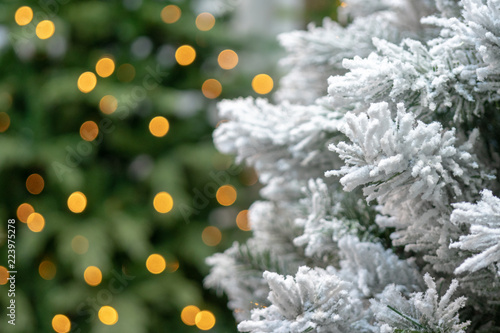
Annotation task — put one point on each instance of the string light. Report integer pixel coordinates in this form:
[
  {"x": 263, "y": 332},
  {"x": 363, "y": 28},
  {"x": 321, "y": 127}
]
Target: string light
[
  {"x": 61, "y": 323},
  {"x": 205, "y": 21},
  {"x": 36, "y": 222},
  {"x": 242, "y": 220},
  {"x": 171, "y": 14},
  {"x": 228, "y": 59},
  {"x": 4, "y": 122},
  {"x": 77, "y": 202},
  {"x": 4, "y": 275},
  {"x": 262, "y": 84},
  {"x": 87, "y": 82},
  {"x": 163, "y": 202},
  {"x": 24, "y": 211},
  {"x": 185, "y": 55},
  {"x": 89, "y": 130},
  {"x": 108, "y": 104},
  {"x": 47, "y": 270},
  {"x": 35, "y": 183},
  {"x": 188, "y": 315},
  {"x": 156, "y": 263},
  {"x": 108, "y": 315},
  {"x": 159, "y": 126},
  {"x": 211, "y": 236},
  {"x": 226, "y": 195},
  {"x": 45, "y": 29},
  {"x": 205, "y": 320},
  {"x": 92, "y": 275},
  {"x": 211, "y": 88},
  {"x": 23, "y": 15},
  {"x": 105, "y": 67}
]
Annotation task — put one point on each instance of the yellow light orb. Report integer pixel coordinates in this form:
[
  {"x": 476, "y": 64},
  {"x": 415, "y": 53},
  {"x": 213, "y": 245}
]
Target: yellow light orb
[
  {"x": 228, "y": 59},
  {"x": 105, "y": 67},
  {"x": 4, "y": 275},
  {"x": 242, "y": 221},
  {"x": 89, "y": 130},
  {"x": 205, "y": 21},
  {"x": 4, "y": 122},
  {"x": 87, "y": 82},
  {"x": 36, "y": 222},
  {"x": 61, "y": 324},
  {"x": 226, "y": 195},
  {"x": 172, "y": 265},
  {"x": 171, "y": 14},
  {"x": 35, "y": 183},
  {"x": 23, "y": 15},
  {"x": 163, "y": 202},
  {"x": 108, "y": 315},
  {"x": 45, "y": 29},
  {"x": 93, "y": 276},
  {"x": 77, "y": 202},
  {"x": 211, "y": 236},
  {"x": 188, "y": 315},
  {"x": 47, "y": 270},
  {"x": 126, "y": 73},
  {"x": 185, "y": 55},
  {"x": 156, "y": 263},
  {"x": 211, "y": 88},
  {"x": 205, "y": 320},
  {"x": 159, "y": 126},
  {"x": 24, "y": 211},
  {"x": 80, "y": 244},
  {"x": 262, "y": 84}
]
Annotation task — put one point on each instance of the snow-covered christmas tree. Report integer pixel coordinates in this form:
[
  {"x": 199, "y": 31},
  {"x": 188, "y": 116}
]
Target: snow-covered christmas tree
[{"x": 380, "y": 210}]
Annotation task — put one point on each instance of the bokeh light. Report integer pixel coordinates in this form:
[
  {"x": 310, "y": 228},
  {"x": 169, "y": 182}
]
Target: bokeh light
[
  {"x": 205, "y": 320},
  {"x": 226, "y": 195},
  {"x": 171, "y": 14},
  {"x": 24, "y": 211},
  {"x": 108, "y": 315},
  {"x": 45, "y": 29},
  {"x": 61, "y": 323},
  {"x": 89, "y": 130},
  {"x": 23, "y": 15},
  {"x": 87, "y": 82},
  {"x": 105, "y": 67},
  {"x": 4, "y": 122},
  {"x": 47, "y": 270},
  {"x": 188, "y": 315},
  {"x": 185, "y": 55},
  {"x": 35, "y": 183},
  {"x": 242, "y": 220},
  {"x": 126, "y": 73},
  {"x": 93, "y": 276},
  {"x": 80, "y": 244},
  {"x": 211, "y": 88},
  {"x": 4, "y": 275},
  {"x": 205, "y": 21},
  {"x": 172, "y": 265},
  {"x": 163, "y": 202},
  {"x": 262, "y": 84},
  {"x": 211, "y": 236},
  {"x": 159, "y": 126},
  {"x": 156, "y": 263},
  {"x": 36, "y": 222},
  {"x": 228, "y": 59},
  {"x": 77, "y": 202},
  {"x": 108, "y": 104}
]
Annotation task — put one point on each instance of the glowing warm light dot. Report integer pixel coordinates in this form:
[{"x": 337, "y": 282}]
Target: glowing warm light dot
[
  {"x": 4, "y": 122},
  {"x": 80, "y": 244},
  {"x": 185, "y": 55},
  {"x": 172, "y": 266},
  {"x": 343, "y": 4},
  {"x": 108, "y": 315},
  {"x": 262, "y": 84},
  {"x": 4, "y": 275},
  {"x": 126, "y": 73},
  {"x": 163, "y": 202},
  {"x": 35, "y": 183},
  {"x": 108, "y": 104},
  {"x": 89, "y": 130},
  {"x": 211, "y": 88},
  {"x": 105, "y": 67},
  {"x": 211, "y": 236},
  {"x": 171, "y": 14},
  {"x": 226, "y": 195},
  {"x": 77, "y": 202},
  {"x": 47, "y": 270},
  {"x": 87, "y": 82},
  {"x": 92, "y": 276},
  {"x": 205, "y": 21},
  {"x": 204, "y": 320},
  {"x": 228, "y": 59},
  {"x": 242, "y": 220},
  {"x": 156, "y": 263},
  {"x": 36, "y": 222},
  {"x": 24, "y": 211},
  {"x": 45, "y": 29},
  {"x": 61, "y": 324},
  {"x": 188, "y": 315},
  {"x": 23, "y": 15},
  {"x": 159, "y": 126}
]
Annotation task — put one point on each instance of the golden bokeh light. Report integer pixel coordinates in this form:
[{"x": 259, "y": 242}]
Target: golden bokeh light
[
  {"x": 87, "y": 82},
  {"x": 105, "y": 67},
  {"x": 61, "y": 324},
  {"x": 172, "y": 265},
  {"x": 205, "y": 320},
  {"x": 47, "y": 270},
  {"x": 262, "y": 84},
  {"x": 211, "y": 236},
  {"x": 35, "y": 183},
  {"x": 343, "y": 4},
  {"x": 126, "y": 73},
  {"x": 45, "y": 29},
  {"x": 23, "y": 15},
  {"x": 211, "y": 88},
  {"x": 226, "y": 195},
  {"x": 36, "y": 222},
  {"x": 89, "y": 130},
  {"x": 248, "y": 177},
  {"x": 4, "y": 275},
  {"x": 93, "y": 276},
  {"x": 205, "y": 21},
  {"x": 77, "y": 202},
  {"x": 242, "y": 221},
  {"x": 188, "y": 315},
  {"x": 185, "y": 55},
  {"x": 108, "y": 104},
  {"x": 171, "y": 14},
  {"x": 24, "y": 211},
  {"x": 108, "y": 315},
  {"x": 156, "y": 263},
  {"x": 228, "y": 59},
  {"x": 4, "y": 122},
  {"x": 80, "y": 244},
  {"x": 163, "y": 202},
  {"x": 159, "y": 126}
]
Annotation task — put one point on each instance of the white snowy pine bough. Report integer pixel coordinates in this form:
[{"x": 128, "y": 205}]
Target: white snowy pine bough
[{"x": 378, "y": 156}]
